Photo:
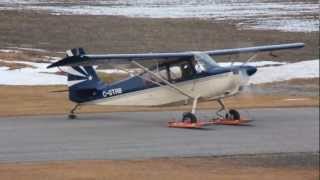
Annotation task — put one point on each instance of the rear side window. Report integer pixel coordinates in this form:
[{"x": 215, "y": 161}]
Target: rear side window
[
  {"x": 175, "y": 72},
  {"x": 149, "y": 78},
  {"x": 163, "y": 73}
]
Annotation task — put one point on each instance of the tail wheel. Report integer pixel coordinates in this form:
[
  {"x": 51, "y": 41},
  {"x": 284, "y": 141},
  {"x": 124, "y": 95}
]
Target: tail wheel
[
  {"x": 233, "y": 115},
  {"x": 188, "y": 116}
]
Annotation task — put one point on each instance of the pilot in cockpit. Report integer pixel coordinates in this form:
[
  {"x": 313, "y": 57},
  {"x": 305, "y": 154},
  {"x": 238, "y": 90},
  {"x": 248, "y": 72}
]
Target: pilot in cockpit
[
  {"x": 197, "y": 66},
  {"x": 191, "y": 68}
]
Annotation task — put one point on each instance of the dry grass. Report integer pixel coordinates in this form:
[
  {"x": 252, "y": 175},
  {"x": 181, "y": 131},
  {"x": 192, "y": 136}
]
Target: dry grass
[
  {"x": 156, "y": 169},
  {"x": 13, "y": 66},
  {"x": 24, "y": 56},
  {"x": 302, "y": 82},
  {"x": 40, "y": 100}
]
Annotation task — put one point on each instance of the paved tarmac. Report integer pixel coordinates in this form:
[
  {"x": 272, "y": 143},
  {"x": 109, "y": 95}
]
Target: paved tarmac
[{"x": 142, "y": 135}]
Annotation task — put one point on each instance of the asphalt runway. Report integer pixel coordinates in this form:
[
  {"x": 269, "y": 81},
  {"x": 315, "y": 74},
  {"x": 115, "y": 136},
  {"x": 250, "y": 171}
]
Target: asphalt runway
[{"x": 143, "y": 135}]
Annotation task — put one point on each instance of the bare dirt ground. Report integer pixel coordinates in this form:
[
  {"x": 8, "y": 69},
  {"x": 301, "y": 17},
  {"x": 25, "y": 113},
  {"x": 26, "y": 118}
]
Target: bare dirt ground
[
  {"x": 115, "y": 34},
  {"x": 266, "y": 167}
]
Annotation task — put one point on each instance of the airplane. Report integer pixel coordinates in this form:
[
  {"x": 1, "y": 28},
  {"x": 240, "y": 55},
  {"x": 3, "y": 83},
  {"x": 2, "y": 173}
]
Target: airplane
[{"x": 165, "y": 78}]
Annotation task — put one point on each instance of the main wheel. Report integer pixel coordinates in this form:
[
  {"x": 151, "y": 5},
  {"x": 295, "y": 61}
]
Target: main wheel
[
  {"x": 72, "y": 116},
  {"x": 233, "y": 115},
  {"x": 188, "y": 116}
]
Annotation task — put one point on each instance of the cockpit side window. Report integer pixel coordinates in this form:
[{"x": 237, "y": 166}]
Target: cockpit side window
[
  {"x": 181, "y": 70},
  {"x": 204, "y": 62},
  {"x": 187, "y": 70}
]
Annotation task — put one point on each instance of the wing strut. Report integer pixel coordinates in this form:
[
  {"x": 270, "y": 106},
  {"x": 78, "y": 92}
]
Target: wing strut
[
  {"x": 163, "y": 80},
  {"x": 131, "y": 74},
  {"x": 250, "y": 59}
]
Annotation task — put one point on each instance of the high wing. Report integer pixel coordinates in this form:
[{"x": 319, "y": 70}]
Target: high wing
[{"x": 95, "y": 59}]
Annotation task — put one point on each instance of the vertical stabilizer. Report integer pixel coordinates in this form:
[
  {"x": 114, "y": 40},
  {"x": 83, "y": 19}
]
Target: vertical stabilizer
[{"x": 83, "y": 81}]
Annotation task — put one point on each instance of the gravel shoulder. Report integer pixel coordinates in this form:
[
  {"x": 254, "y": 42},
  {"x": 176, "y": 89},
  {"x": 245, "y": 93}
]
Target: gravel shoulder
[{"x": 295, "y": 166}]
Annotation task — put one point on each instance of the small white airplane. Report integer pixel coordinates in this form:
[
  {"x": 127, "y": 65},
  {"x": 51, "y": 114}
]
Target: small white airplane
[{"x": 173, "y": 77}]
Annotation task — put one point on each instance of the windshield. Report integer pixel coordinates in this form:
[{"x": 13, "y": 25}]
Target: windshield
[{"x": 205, "y": 61}]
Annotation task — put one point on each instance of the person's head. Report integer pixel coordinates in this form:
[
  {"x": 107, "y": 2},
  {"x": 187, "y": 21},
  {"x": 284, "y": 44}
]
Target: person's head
[{"x": 194, "y": 62}]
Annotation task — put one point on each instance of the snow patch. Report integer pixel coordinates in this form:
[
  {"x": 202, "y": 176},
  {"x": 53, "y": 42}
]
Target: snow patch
[
  {"x": 292, "y": 25},
  {"x": 296, "y": 99},
  {"x": 119, "y": 71},
  {"x": 29, "y": 49},
  {"x": 9, "y": 51},
  {"x": 257, "y": 64},
  {"x": 39, "y": 75},
  {"x": 4, "y": 68},
  {"x": 304, "y": 69},
  {"x": 250, "y": 14},
  {"x": 29, "y": 78},
  {"x": 268, "y": 71}
]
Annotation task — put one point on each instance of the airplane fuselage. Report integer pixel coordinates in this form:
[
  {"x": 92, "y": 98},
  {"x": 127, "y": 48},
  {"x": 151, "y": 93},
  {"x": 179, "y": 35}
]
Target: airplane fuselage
[{"x": 136, "y": 91}]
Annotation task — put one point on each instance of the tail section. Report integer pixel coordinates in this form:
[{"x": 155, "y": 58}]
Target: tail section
[
  {"x": 83, "y": 81},
  {"x": 79, "y": 76}
]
